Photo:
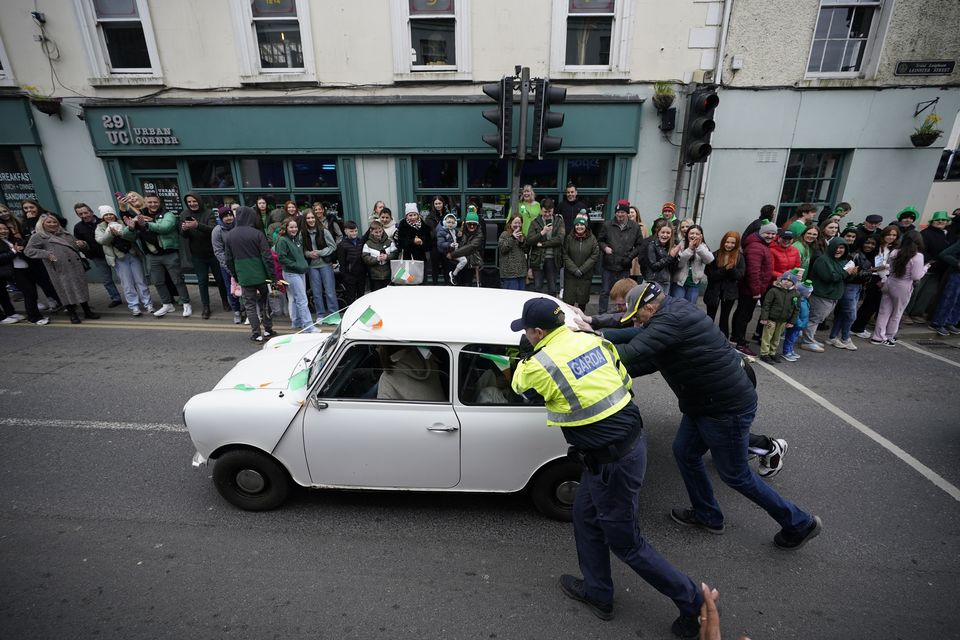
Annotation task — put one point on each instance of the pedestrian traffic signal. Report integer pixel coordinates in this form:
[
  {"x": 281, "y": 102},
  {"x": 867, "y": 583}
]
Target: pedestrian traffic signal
[
  {"x": 544, "y": 119},
  {"x": 502, "y": 116},
  {"x": 700, "y": 125}
]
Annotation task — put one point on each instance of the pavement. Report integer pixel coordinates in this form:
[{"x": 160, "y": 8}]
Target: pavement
[{"x": 106, "y": 531}]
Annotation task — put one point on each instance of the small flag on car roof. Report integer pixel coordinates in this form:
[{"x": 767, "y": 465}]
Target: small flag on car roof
[{"x": 371, "y": 318}]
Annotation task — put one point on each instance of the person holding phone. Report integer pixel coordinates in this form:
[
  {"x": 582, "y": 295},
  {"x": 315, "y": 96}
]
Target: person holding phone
[
  {"x": 197, "y": 226},
  {"x": 829, "y": 274},
  {"x": 544, "y": 242}
]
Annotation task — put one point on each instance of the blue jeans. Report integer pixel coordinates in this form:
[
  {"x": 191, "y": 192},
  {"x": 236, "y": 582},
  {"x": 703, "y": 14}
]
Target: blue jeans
[
  {"x": 691, "y": 294},
  {"x": 607, "y": 278},
  {"x": 845, "y": 312},
  {"x": 606, "y": 518},
  {"x": 297, "y": 292},
  {"x": 135, "y": 289},
  {"x": 726, "y": 436},
  {"x": 106, "y": 277},
  {"x": 790, "y": 338},
  {"x": 512, "y": 283},
  {"x": 948, "y": 311},
  {"x": 323, "y": 285}
]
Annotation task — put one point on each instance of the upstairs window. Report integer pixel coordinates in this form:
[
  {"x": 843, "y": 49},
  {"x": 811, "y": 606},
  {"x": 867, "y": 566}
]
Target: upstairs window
[
  {"x": 842, "y": 36},
  {"x": 118, "y": 38},
  {"x": 589, "y": 32},
  {"x": 277, "y": 31},
  {"x": 431, "y": 36},
  {"x": 6, "y": 78}
]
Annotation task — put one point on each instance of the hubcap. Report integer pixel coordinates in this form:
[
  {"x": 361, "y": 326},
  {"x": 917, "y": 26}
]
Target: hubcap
[
  {"x": 250, "y": 481},
  {"x": 567, "y": 491}
]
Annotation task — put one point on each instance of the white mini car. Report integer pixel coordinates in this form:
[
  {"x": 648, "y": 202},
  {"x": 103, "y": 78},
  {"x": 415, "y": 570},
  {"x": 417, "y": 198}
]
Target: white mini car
[{"x": 410, "y": 392}]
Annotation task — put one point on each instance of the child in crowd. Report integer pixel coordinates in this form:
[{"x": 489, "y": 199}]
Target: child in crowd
[
  {"x": 470, "y": 246},
  {"x": 662, "y": 257},
  {"x": 350, "y": 257},
  {"x": 804, "y": 289},
  {"x": 447, "y": 243},
  {"x": 377, "y": 253},
  {"x": 779, "y": 310}
]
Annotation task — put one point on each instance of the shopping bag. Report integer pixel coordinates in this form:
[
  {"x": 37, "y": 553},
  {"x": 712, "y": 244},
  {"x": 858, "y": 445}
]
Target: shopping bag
[
  {"x": 406, "y": 271},
  {"x": 235, "y": 289},
  {"x": 278, "y": 303}
]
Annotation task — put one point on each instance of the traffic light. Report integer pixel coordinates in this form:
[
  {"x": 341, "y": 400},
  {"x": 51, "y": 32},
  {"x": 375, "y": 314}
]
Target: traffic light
[
  {"x": 502, "y": 116},
  {"x": 544, "y": 119},
  {"x": 700, "y": 125}
]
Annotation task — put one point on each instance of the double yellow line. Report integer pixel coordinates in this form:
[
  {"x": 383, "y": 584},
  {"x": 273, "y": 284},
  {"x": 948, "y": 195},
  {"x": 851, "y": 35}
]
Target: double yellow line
[{"x": 146, "y": 324}]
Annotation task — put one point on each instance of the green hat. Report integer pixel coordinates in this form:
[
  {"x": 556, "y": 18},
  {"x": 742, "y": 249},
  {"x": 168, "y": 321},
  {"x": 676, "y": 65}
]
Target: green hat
[
  {"x": 940, "y": 215},
  {"x": 472, "y": 215},
  {"x": 581, "y": 219},
  {"x": 911, "y": 210}
]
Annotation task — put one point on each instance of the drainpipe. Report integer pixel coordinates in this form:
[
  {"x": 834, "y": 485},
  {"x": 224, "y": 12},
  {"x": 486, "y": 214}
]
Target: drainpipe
[{"x": 718, "y": 79}]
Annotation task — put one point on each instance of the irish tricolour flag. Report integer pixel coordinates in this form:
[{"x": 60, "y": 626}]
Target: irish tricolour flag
[
  {"x": 403, "y": 275},
  {"x": 371, "y": 318}
]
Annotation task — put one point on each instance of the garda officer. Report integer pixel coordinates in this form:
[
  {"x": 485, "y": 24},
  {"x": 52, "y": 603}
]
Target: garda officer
[{"x": 587, "y": 394}]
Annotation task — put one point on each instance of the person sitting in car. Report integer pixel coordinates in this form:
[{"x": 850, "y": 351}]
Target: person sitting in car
[{"x": 408, "y": 374}]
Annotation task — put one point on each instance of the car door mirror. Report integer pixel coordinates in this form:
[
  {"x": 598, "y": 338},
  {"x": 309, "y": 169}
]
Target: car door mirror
[{"x": 318, "y": 403}]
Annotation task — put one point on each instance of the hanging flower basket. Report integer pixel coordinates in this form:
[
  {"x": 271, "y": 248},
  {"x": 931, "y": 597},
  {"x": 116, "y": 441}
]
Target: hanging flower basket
[
  {"x": 663, "y": 101},
  {"x": 923, "y": 139},
  {"x": 49, "y": 106}
]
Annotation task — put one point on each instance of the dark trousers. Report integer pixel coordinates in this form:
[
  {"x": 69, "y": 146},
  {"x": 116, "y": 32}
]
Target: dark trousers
[
  {"x": 6, "y": 306},
  {"x": 353, "y": 287},
  {"x": 23, "y": 278},
  {"x": 727, "y": 437},
  {"x": 746, "y": 307},
  {"x": 40, "y": 278},
  {"x": 203, "y": 266},
  {"x": 106, "y": 277},
  {"x": 868, "y": 308},
  {"x": 725, "y": 306},
  {"x": 258, "y": 307},
  {"x": 545, "y": 278},
  {"x": 606, "y": 518},
  {"x": 436, "y": 267},
  {"x": 376, "y": 285}
]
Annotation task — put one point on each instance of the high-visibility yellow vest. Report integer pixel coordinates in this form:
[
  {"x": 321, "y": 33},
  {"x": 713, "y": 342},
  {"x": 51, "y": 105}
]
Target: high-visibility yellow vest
[{"x": 579, "y": 376}]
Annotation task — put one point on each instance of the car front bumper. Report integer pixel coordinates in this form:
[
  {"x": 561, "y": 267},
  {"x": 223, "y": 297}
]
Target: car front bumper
[{"x": 198, "y": 460}]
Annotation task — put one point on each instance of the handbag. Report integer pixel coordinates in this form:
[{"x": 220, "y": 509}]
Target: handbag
[
  {"x": 406, "y": 271},
  {"x": 83, "y": 259}
]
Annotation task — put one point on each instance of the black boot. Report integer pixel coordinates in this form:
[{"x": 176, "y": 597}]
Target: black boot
[
  {"x": 88, "y": 312},
  {"x": 72, "y": 314},
  {"x": 206, "y": 312}
]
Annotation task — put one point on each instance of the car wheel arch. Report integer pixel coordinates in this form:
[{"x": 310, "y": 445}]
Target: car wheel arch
[{"x": 553, "y": 486}]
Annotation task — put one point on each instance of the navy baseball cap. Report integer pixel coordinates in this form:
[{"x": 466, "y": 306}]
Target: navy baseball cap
[
  {"x": 539, "y": 313},
  {"x": 639, "y": 296}
]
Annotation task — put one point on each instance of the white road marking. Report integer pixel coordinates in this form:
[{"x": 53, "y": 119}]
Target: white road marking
[
  {"x": 90, "y": 424},
  {"x": 918, "y": 466},
  {"x": 927, "y": 353}
]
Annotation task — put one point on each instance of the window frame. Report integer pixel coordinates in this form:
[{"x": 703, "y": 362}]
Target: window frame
[
  {"x": 872, "y": 44},
  {"x": 619, "y": 67},
  {"x": 835, "y": 186},
  {"x": 99, "y": 57},
  {"x": 404, "y": 67},
  {"x": 249, "y": 53},
  {"x": 6, "y": 74}
]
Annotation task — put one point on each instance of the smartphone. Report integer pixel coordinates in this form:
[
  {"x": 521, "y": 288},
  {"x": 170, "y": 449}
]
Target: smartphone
[
  {"x": 117, "y": 194},
  {"x": 850, "y": 263}
]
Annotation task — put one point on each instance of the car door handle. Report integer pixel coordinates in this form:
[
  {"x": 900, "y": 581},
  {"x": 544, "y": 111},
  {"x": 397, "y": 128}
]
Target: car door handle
[{"x": 442, "y": 427}]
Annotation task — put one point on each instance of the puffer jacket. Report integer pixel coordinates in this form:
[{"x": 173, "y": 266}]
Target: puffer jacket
[
  {"x": 471, "y": 247},
  {"x": 759, "y": 267},
  {"x": 111, "y": 248},
  {"x": 780, "y": 304},
  {"x": 692, "y": 260},
  {"x": 377, "y": 270},
  {"x": 783, "y": 258},
  {"x": 624, "y": 243},
  {"x": 686, "y": 347},
  {"x": 660, "y": 264},
  {"x": 580, "y": 254},
  {"x": 722, "y": 284},
  {"x": 513, "y": 260}
]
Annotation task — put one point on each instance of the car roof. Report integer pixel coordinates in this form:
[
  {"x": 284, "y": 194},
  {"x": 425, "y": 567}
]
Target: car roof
[{"x": 439, "y": 314}]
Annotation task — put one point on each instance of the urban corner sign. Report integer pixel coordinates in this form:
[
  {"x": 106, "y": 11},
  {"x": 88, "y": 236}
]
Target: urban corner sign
[{"x": 118, "y": 130}]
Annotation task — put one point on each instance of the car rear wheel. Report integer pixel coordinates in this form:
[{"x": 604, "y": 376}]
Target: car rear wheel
[
  {"x": 251, "y": 480},
  {"x": 554, "y": 489}
]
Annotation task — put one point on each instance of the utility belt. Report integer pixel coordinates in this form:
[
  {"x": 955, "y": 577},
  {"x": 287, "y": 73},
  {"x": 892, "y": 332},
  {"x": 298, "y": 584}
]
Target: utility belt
[{"x": 593, "y": 458}]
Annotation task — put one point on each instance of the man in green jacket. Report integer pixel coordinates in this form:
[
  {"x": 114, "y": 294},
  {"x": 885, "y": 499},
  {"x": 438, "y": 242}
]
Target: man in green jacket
[
  {"x": 159, "y": 235},
  {"x": 250, "y": 262}
]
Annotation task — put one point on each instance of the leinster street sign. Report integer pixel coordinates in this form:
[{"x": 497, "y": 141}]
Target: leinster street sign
[{"x": 924, "y": 68}]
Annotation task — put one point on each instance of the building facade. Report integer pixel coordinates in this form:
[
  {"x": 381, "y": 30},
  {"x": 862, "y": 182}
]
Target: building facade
[{"x": 354, "y": 102}]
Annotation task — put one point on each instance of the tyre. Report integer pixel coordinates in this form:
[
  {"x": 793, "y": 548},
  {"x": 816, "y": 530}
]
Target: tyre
[
  {"x": 554, "y": 489},
  {"x": 251, "y": 480}
]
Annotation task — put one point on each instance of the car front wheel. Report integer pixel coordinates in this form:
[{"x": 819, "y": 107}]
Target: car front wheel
[
  {"x": 554, "y": 489},
  {"x": 251, "y": 480}
]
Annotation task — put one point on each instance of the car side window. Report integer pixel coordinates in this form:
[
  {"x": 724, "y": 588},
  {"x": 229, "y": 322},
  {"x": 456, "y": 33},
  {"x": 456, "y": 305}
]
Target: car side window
[
  {"x": 390, "y": 372},
  {"x": 485, "y": 372}
]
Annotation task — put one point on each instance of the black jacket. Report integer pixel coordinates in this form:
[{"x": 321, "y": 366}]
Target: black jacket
[
  {"x": 660, "y": 264},
  {"x": 409, "y": 250},
  {"x": 723, "y": 284},
  {"x": 624, "y": 242},
  {"x": 200, "y": 239},
  {"x": 935, "y": 242},
  {"x": 696, "y": 360},
  {"x": 85, "y": 232},
  {"x": 350, "y": 257}
]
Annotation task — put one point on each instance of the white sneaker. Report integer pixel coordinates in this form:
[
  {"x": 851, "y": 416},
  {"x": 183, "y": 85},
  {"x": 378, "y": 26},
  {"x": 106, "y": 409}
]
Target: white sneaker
[
  {"x": 864, "y": 334},
  {"x": 187, "y": 310},
  {"x": 246, "y": 321},
  {"x": 772, "y": 463},
  {"x": 150, "y": 308},
  {"x": 136, "y": 312},
  {"x": 848, "y": 345},
  {"x": 10, "y": 320},
  {"x": 42, "y": 321},
  {"x": 835, "y": 342},
  {"x": 42, "y": 307},
  {"x": 164, "y": 310}
]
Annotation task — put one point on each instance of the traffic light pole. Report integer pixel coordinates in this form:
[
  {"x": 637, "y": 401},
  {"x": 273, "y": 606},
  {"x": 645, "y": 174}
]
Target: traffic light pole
[{"x": 521, "y": 138}]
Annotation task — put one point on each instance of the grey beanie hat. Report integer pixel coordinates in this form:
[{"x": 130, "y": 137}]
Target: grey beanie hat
[{"x": 769, "y": 227}]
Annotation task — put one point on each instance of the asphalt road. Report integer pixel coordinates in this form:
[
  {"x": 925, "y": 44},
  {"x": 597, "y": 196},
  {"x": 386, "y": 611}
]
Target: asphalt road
[{"x": 106, "y": 531}]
